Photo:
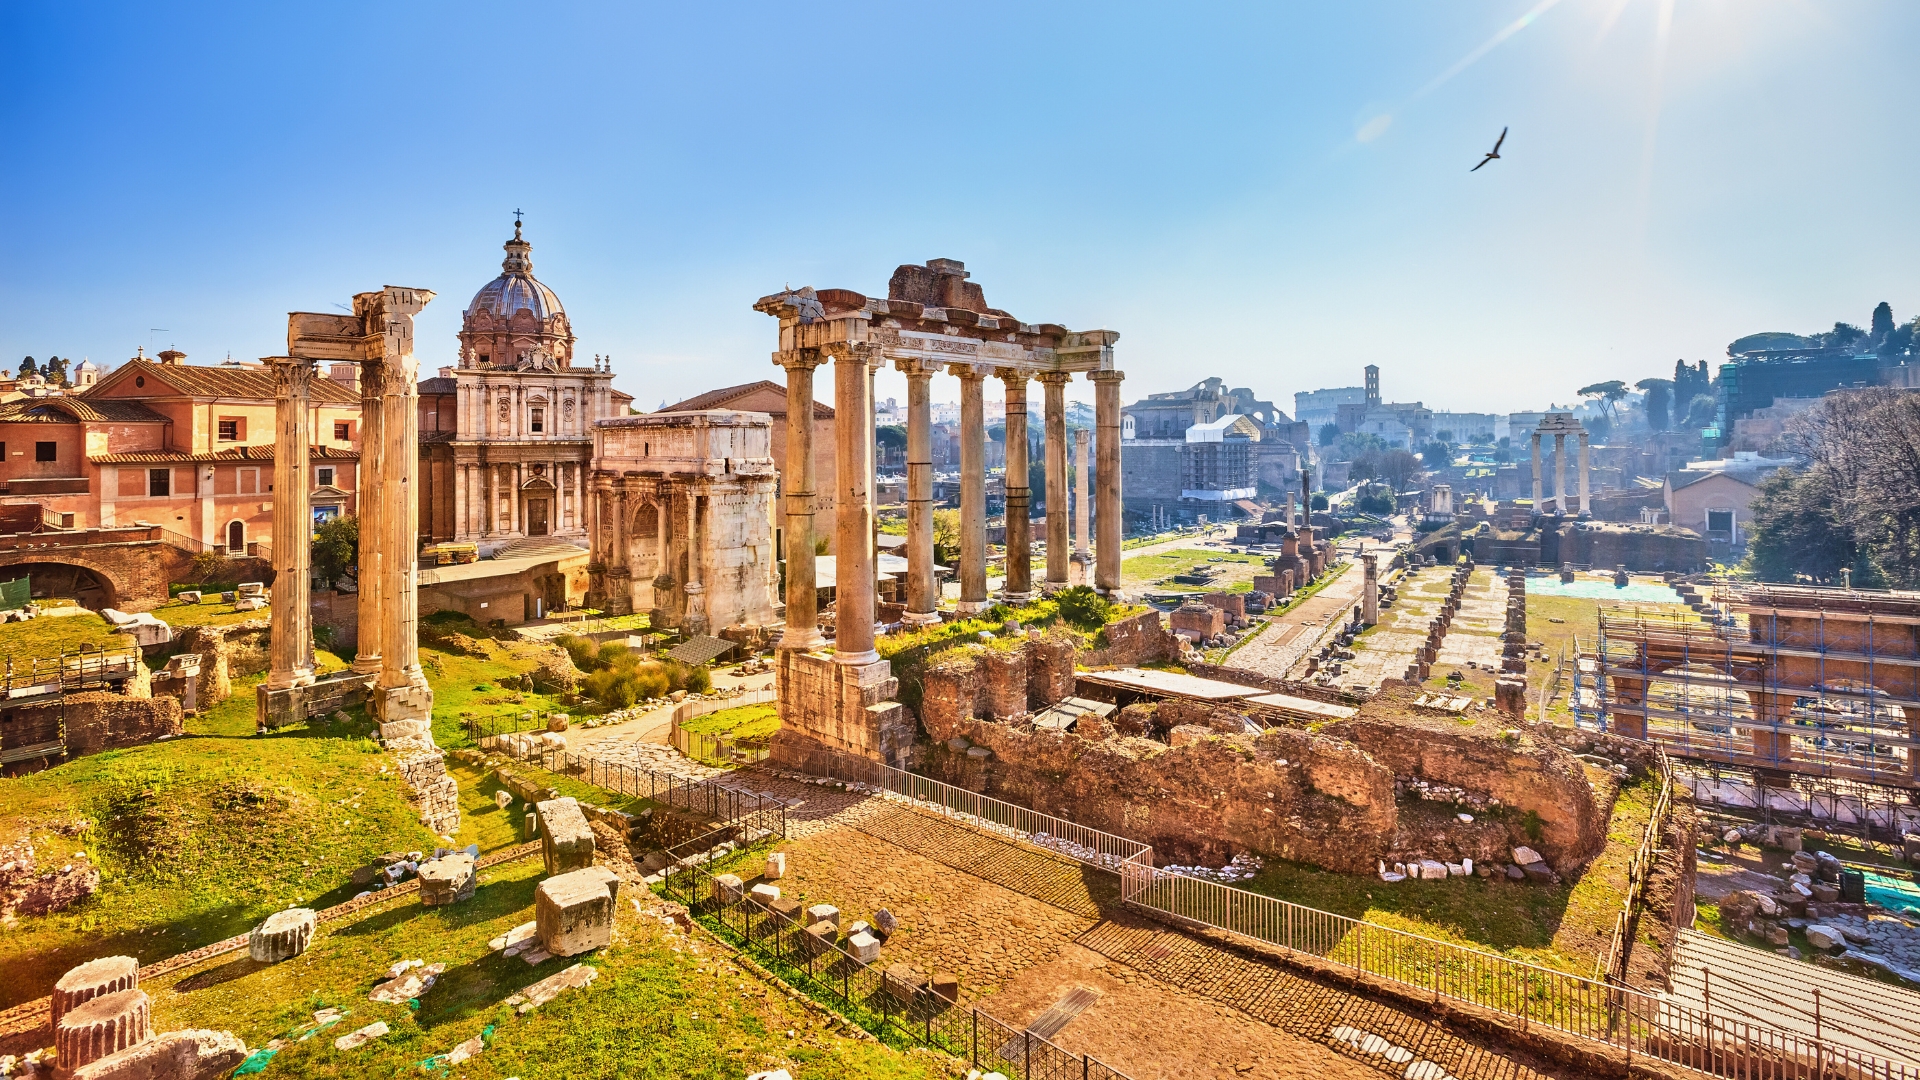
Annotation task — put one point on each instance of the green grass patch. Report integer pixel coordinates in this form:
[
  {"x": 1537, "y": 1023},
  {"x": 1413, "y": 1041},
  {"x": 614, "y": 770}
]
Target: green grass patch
[
  {"x": 746, "y": 722},
  {"x": 470, "y": 687},
  {"x": 198, "y": 838},
  {"x": 49, "y": 636},
  {"x": 210, "y": 611}
]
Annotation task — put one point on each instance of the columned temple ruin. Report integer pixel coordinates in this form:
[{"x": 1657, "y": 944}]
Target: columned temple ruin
[
  {"x": 1560, "y": 425},
  {"x": 932, "y": 319}
]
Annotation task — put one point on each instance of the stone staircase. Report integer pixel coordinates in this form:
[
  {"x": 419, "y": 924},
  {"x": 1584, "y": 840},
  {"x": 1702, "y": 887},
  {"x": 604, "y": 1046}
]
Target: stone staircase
[{"x": 531, "y": 546}]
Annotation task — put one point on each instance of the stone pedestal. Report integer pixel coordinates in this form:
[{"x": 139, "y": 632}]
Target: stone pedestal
[
  {"x": 448, "y": 879},
  {"x": 283, "y": 936},
  {"x": 832, "y": 706},
  {"x": 574, "y": 911},
  {"x": 566, "y": 839},
  {"x": 95, "y": 978},
  {"x": 105, "y": 1025}
]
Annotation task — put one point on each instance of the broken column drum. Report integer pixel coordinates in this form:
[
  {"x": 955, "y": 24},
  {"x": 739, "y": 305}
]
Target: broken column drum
[
  {"x": 283, "y": 936},
  {"x": 95, "y": 978},
  {"x": 105, "y": 1025}
]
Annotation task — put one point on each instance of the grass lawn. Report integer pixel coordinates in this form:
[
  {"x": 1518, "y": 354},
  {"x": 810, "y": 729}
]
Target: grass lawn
[
  {"x": 1236, "y": 571},
  {"x": 200, "y": 837},
  {"x": 1564, "y": 926},
  {"x": 745, "y": 722},
  {"x": 211, "y": 611},
  {"x": 727, "y": 1023},
  {"x": 469, "y": 686},
  {"x": 51, "y": 635}
]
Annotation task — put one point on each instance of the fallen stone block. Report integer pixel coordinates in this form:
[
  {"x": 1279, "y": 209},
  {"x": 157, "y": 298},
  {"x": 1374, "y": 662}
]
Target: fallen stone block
[
  {"x": 503, "y": 798},
  {"x": 727, "y": 889},
  {"x": 1825, "y": 937},
  {"x": 1433, "y": 870},
  {"x": 787, "y": 911},
  {"x": 1538, "y": 873},
  {"x": 864, "y": 947},
  {"x": 824, "y": 913},
  {"x": 820, "y": 937},
  {"x": 105, "y": 1025},
  {"x": 448, "y": 879},
  {"x": 550, "y": 987},
  {"x": 575, "y": 910},
  {"x": 776, "y": 867},
  {"x": 566, "y": 838},
  {"x": 283, "y": 936},
  {"x": 406, "y": 981},
  {"x": 764, "y": 894},
  {"x": 1825, "y": 894},
  {"x": 946, "y": 986},
  {"x": 355, "y": 1039},
  {"x": 193, "y": 1054},
  {"x": 515, "y": 939},
  {"x": 107, "y": 975},
  {"x": 902, "y": 981}
]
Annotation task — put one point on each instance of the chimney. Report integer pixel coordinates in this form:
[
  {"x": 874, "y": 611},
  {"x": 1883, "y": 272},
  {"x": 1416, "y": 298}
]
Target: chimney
[{"x": 172, "y": 356}]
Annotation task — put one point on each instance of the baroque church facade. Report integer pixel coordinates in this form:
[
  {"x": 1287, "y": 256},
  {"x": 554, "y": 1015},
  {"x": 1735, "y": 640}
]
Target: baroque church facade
[{"x": 506, "y": 435}]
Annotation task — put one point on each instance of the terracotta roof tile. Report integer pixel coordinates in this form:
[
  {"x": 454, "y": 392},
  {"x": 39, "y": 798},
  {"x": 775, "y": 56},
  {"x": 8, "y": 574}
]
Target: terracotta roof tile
[
  {"x": 193, "y": 380},
  {"x": 261, "y": 452},
  {"x": 68, "y": 409},
  {"x": 717, "y": 399}
]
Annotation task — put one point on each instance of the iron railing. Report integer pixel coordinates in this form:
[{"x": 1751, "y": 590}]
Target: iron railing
[
  {"x": 717, "y": 748},
  {"x": 892, "y": 1007},
  {"x": 1612, "y": 966},
  {"x": 68, "y": 671},
  {"x": 1640, "y": 1023}
]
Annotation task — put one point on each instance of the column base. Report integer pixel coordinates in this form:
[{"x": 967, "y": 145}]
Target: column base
[
  {"x": 830, "y": 705},
  {"x": 278, "y": 707},
  {"x": 1015, "y": 597},
  {"x": 804, "y": 639},
  {"x": 367, "y": 665},
  {"x": 859, "y": 659},
  {"x": 969, "y": 608},
  {"x": 1048, "y": 588},
  {"x": 921, "y": 618}
]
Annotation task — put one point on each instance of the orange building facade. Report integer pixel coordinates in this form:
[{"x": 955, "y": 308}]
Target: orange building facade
[{"x": 188, "y": 448}]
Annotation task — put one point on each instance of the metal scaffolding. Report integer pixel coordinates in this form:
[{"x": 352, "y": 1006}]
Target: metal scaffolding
[{"x": 1796, "y": 682}]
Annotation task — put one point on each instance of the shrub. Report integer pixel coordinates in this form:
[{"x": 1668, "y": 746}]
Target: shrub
[
  {"x": 612, "y": 653},
  {"x": 1083, "y": 608},
  {"x": 698, "y": 681},
  {"x": 583, "y": 651}
]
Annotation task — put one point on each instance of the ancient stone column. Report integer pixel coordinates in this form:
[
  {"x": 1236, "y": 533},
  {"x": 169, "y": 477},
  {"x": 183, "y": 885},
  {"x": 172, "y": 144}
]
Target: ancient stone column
[
  {"x": 620, "y": 558},
  {"x": 923, "y": 590},
  {"x": 404, "y": 703},
  {"x": 1539, "y": 494},
  {"x": 695, "y": 621},
  {"x": 973, "y": 491},
  {"x": 1082, "y": 545},
  {"x": 1289, "y": 518},
  {"x": 1586, "y": 503},
  {"x": 853, "y": 511},
  {"x": 374, "y": 493},
  {"x": 796, "y": 480},
  {"x": 1370, "y": 591},
  {"x": 1106, "y": 409},
  {"x": 1559, "y": 473},
  {"x": 290, "y": 652},
  {"x": 1054, "y": 390},
  {"x": 1019, "y": 584}
]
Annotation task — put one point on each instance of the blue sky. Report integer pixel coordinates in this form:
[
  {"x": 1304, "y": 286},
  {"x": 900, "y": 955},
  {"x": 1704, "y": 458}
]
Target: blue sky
[{"x": 1275, "y": 194}]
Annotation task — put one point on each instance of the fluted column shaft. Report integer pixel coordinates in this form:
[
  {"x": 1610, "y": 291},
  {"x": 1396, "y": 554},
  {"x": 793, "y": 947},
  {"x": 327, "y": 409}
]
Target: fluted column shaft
[
  {"x": 853, "y": 511},
  {"x": 1539, "y": 491},
  {"x": 1054, "y": 398},
  {"x": 374, "y": 491},
  {"x": 290, "y": 651},
  {"x": 404, "y": 701},
  {"x": 1019, "y": 583},
  {"x": 923, "y": 594},
  {"x": 1107, "y": 512},
  {"x": 1559, "y": 473},
  {"x": 796, "y": 481},
  {"x": 973, "y": 491},
  {"x": 1585, "y": 496},
  {"x": 1082, "y": 545}
]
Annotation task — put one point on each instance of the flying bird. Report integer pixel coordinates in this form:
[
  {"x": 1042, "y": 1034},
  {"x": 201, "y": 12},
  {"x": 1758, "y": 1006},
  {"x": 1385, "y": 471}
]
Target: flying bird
[{"x": 1493, "y": 154}]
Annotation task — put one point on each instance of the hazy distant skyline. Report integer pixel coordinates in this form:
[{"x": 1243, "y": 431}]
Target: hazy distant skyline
[{"x": 1276, "y": 195}]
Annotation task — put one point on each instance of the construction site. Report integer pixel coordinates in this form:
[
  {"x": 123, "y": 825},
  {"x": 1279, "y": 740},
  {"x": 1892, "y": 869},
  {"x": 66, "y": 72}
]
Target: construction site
[{"x": 1794, "y": 702}]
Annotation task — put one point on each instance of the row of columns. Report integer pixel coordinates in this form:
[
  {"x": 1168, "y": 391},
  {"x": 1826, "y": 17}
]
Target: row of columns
[
  {"x": 1560, "y": 474},
  {"x": 853, "y": 525},
  {"x": 388, "y": 608},
  {"x": 477, "y": 485}
]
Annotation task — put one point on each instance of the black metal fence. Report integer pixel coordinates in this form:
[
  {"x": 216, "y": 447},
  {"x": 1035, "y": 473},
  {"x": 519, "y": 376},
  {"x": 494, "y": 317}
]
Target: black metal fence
[{"x": 895, "y": 1008}]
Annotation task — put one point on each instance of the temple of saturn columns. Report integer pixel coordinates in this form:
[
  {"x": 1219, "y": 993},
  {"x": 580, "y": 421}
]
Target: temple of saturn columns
[
  {"x": 1560, "y": 425},
  {"x": 932, "y": 319},
  {"x": 386, "y": 670}
]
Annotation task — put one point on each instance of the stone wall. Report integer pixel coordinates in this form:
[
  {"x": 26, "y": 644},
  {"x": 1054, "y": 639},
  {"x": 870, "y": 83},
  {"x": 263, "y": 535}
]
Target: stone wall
[
  {"x": 1526, "y": 773},
  {"x": 1136, "y": 639},
  {"x": 226, "y": 652},
  {"x": 94, "y": 721},
  {"x": 435, "y": 793}
]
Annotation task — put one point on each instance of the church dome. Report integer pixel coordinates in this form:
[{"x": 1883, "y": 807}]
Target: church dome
[{"x": 516, "y": 289}]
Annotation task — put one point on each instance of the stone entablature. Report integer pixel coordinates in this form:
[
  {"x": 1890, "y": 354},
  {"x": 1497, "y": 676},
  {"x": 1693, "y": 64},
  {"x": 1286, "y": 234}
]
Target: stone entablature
[{"x": 683, "y": 504}]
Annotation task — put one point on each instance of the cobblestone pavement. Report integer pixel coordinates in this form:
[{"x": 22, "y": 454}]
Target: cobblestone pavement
[
  {"x": 1477, "y": 627},
  {"x": 1288, "y": 638}
]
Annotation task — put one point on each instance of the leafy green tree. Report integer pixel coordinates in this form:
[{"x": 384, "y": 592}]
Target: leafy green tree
[
  {"x": 336, "y": 547},
  {"x": 1882, "y": 323},
  {"x": 946, "y": 536},
  {"x": 1606, "y": 393},
  {"x": 1701, "y": 411},
  {"x": 57, "y": 370},
  {"x": 1318, "y": 502},
  {"x": 27, "y": 368},
  {"x": 1398, "y": 468},
  {"x": 1659, "y": 402},
  {"x": 1328, "y": 432},
  {"x": 1797, "y": 528}
]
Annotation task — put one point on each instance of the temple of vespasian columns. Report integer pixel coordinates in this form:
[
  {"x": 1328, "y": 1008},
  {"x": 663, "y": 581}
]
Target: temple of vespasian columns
[
  {"x": 932, "y": 319},
  {"x": 386, "y": 670}
]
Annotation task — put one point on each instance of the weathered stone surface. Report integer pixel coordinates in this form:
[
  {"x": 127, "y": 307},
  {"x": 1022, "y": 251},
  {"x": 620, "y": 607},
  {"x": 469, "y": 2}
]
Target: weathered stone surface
[
  {"x": 764, "y": 894},
  {"x": 885, "y": 923},
  {"x": 355, "y": 1039},
  {"x": 95, "y": 978},
  {"x": 192, "y": 1054},
  {"x": 436, "y": 794},
  {"x": 864, "y": 947},
  {"x": 946, "y": 985},
  {"x": 1006, "y": 681},
  {"x": 776, "y": 867},
  {"x": 566, "y": 838},
  {"x": 1821, "y": 936},
  {"x": 1050, "y": 661},
  {"x": 824, "y": 913},
  {"x": 550, "y": 987},
  {"x": 726, "y": 889},
  {"x": 503, "y": 799},
  {"x": 575, "y": 910},
  {"x": 283, "y": 936},
  {"x": 902, "y": 981},
  {"x": 820, "y": 937},
  {"x": 105, "y": 1025},
  {"x": 786, "y": 910},
  {"x": 447, "y": 880}
]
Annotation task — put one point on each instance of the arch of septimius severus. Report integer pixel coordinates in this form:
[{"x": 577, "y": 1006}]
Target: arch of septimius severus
[{"x": 932, "y": 319}]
